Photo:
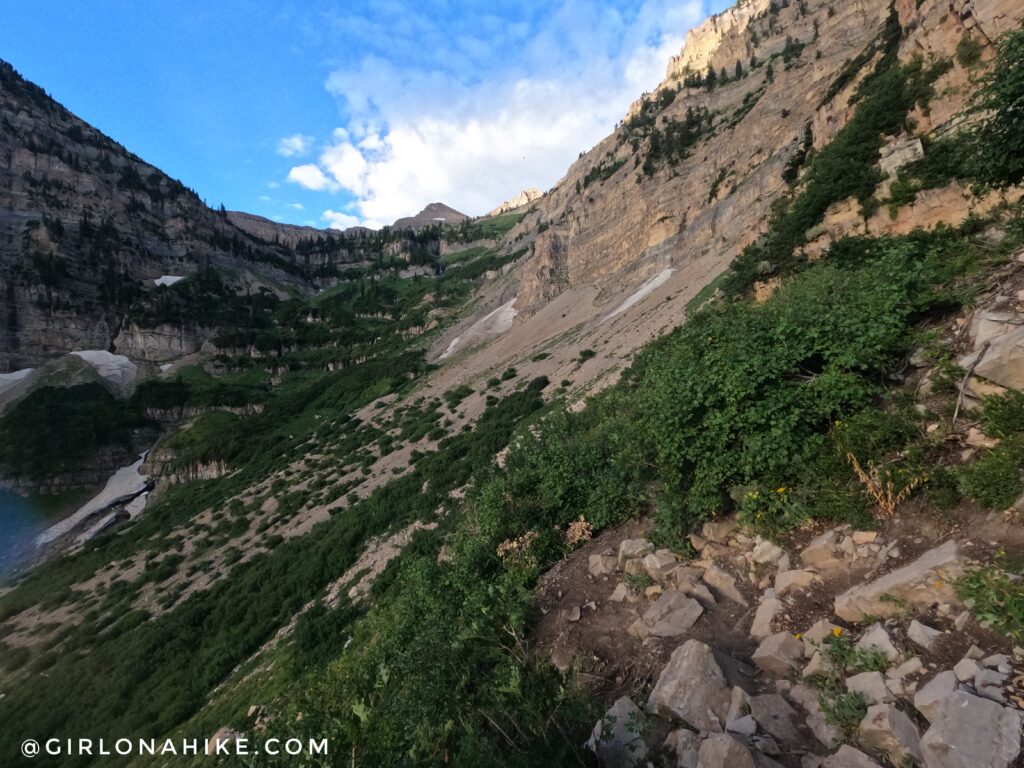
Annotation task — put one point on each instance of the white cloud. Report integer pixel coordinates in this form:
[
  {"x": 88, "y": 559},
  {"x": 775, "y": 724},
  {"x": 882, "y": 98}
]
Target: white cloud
[
  {"x": 298, "y": 145},
  {"x": 297, "y": 206},
  {"x": 264, "y": 198},
  {"x": 421, "y": 132},
  {"x": 272, "y": 185},
  {"x": 343, "y": 220},
  {"x": 311, "y": 177}
]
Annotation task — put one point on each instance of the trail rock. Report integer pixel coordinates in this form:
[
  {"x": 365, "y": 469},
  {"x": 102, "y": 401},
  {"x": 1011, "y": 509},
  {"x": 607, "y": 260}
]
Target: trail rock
[
  {"x": 671, "y": 615},
  {"x": 920, "y": 584},
  {"x": 966, "y": 669},
  {"x": 620, "y": 593},
  {"x": 660, "y": 564},
  {"x": 778, "y": 654},
  {"x": 848, "y": 757},
  {"x": 774, "y": 715},
  {"x": 632, "y": 549},
  {"x": 766, "y": 552},
  {"x": 744, "y": 726},
  {"x": 889, "y": 730},
  {"x": 720, "y": 750},
  {"x": 769, "y": 608},
  {"x": 969, "y": 732},
  {"x": 794, "y": 581},
  {"x": 863, "y": 537},
  {"x": 876, "y": 638},
  {"x": 922, "y": 634},
  {"x": 739, "y": 704},
  {"x": 807, "y": 698},
  {"x": 724, "y": 583},
  {"x": 814, "y": 638},
  {"x": 617, "y": 739},
  {"x": 818, "y": 665},
  {"x": 870, "y": 685},
  {"x": 822, "y": 552},
  {"x": 687, "y": 747},
  {"x": 692, "y": 688},
  {"x": 928, "y": 701},
  {"x": 601, "y": 565},
  {"x": 719, "y": 531}
]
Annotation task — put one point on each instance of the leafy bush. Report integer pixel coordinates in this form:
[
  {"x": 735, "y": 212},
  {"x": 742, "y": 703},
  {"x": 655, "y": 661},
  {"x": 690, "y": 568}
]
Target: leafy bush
[{"x": 994, "y": 479}]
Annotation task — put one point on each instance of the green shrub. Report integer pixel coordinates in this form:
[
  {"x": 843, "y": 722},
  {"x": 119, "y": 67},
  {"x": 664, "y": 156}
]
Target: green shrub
[
  {"x": 1003, "y": 415},
  {"x": 994, "y": 479},
  {"x": 997, "y": 599}
]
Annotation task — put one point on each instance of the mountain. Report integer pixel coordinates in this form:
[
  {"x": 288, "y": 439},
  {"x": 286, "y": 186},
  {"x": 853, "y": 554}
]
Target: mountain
[
  {"x": 521, "y": 200},
  {"x": 711, "y": 454},
  {"x": 433, "y": 214}
]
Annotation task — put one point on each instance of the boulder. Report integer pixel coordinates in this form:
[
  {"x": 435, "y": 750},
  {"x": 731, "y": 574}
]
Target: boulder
[
  {"x": 686, "y": 744},
  {"x": 744, "y": 726},
  {"x": 724, "y": 583},
  {"x": 889, "y": 730},
  {"x": 920, "y": 584},
  {"x": 814, "y": 638},
  {"x": 720, "y": 750},
  {"x": 632, "y": 549},
  {"x": 775, "y": 716},
  {"x": 620, "y": 593},
  {"x": 870, "y": 685},
  {"x": 766, "y": 551},
  {"x": 848, "y": 757},
  {"x": 822, "y": 553},
  {"x": 660, "y": 564},
  {"x": 922, "y": 634},
  {"x": 794, "y": 581},
  {"x": 820, "y": 664},
  {"x": 601, "y": 565},
  {"x": 779, "y": 654},
  {"x": 930, "y": 698},
  {"x": 692, "y": 688},
  {"x": 969, "y": 732},
  {"x": 1003, "y": 362},
  {"x": 966, "y": 670},
  {"x": 766, "y": 613},
  {"x": 671, "y": 615},
  {"x": 617, "y": 739},
  {"x": 877, "y": 639},
  {"x": 807, "y": 698}
]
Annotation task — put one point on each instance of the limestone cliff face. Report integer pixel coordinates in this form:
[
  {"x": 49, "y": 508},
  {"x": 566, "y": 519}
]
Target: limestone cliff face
[
  {"x": 609, "y": 222},
  {"x": 86, "y": 228}
]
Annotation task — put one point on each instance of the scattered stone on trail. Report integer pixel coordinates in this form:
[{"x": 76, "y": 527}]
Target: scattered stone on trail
[
  {"x": 632, "y": 549},
  {"x": 814, "y": 638},
  {"x": 687, "y": 747},
  {"x": 720, "y": 750},
  {"x": 745, "y": 726},
  {"x": 697, "y": 541},
  {"x": 864, "y": 537},
  {"x": 989, "y": 684},
  {"x": 807, "y": 698},
  {"x": 779, "y": 654},
  {"x": 966, "y": 669},
  {"x": 690, "y": 586},
  {"x": 970, "y": 732},
  {"x": 765, "y": 551},
  {"x": 617, "y": 738},
  {"x": 794, "y": 581},
  {"x": 769, "y": 608},
  {"x": 692, "y": 688},
  {"x": 660, "y": 564},
  {"x": 654, "y": 590},
  {"x": 870, "y": 685},
  {"x": 818, "y": 665},
  {"x": 920, "y": 584},
  {"x": 671, "y": 615},
  {"x": 775, "y": 716},
  {"x": 876, "y": 638},
  {"x": 620, "y": 593},
  {"x": 719, "y": 531},
  {"x": 922, "y": 634},
  {"x": 602, "y": 565},
  {"x": 930, "y": 697},
  {"x": 848, "y": 757},
  {"x": 889, "y": 730},
  {"x": 739, "y": 703},
  {"x": 573, "y": 614},
  {"x": 725, "y": 584},
  {"x": 821, "y": 553}
]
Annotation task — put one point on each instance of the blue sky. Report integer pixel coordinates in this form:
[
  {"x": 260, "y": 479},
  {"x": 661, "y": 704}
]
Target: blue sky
[{"x": 344, "y": 112}]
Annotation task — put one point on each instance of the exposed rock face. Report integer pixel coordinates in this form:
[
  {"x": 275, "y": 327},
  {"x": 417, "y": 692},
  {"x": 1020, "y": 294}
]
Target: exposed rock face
[
  {"x": 433, "y": 214},
  {"x": 524, "y": 198},
  {"x": 719, "y": 41}
]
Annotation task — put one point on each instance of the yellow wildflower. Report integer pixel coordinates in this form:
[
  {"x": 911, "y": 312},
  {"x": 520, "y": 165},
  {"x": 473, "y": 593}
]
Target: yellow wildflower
[{"x": 837, "y": 631}]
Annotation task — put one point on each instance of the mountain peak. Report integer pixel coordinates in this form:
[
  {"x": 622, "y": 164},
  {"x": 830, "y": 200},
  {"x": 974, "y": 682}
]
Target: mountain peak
[{"x": 433, "y": 213}]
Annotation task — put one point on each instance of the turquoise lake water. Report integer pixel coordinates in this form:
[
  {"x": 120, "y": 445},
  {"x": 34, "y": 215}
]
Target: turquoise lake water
[{"x": 20, "y": 520}]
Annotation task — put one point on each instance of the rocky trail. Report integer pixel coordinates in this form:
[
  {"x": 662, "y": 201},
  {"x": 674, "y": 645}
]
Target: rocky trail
[{"x": 836, "y": 648}]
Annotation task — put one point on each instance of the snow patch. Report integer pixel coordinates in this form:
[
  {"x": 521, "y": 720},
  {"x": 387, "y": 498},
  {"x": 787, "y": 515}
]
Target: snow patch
[
  {"x": 123, "y": 485},
  {"x": 168, "y": 279},
  {"x": 641, "y": 293},
  {"x": 494, "y": 323},
  {"x": 115, "y": 368}
]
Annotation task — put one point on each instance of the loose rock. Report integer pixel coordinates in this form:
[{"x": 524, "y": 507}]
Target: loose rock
[
  {"x": 617, "y": 738},
  {"x": 889, "y": 730},
  {"x": 969, "y": 732},
  {"x": 692, "y": 688},
  {"x": 778, "y": 654}
]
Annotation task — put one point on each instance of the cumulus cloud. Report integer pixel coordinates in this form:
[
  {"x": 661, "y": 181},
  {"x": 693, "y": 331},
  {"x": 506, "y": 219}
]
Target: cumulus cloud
[
  {"x": 297, "y": 206},
  {"x": 509, "y": 106},
  {"x": 298, "y": 145}
]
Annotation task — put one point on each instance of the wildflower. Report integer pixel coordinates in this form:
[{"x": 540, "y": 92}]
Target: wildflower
[
  {"x": 836, "y": 631},
  {"x": 781, "y": 490},
  {"x": 798, "y": 636}
]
